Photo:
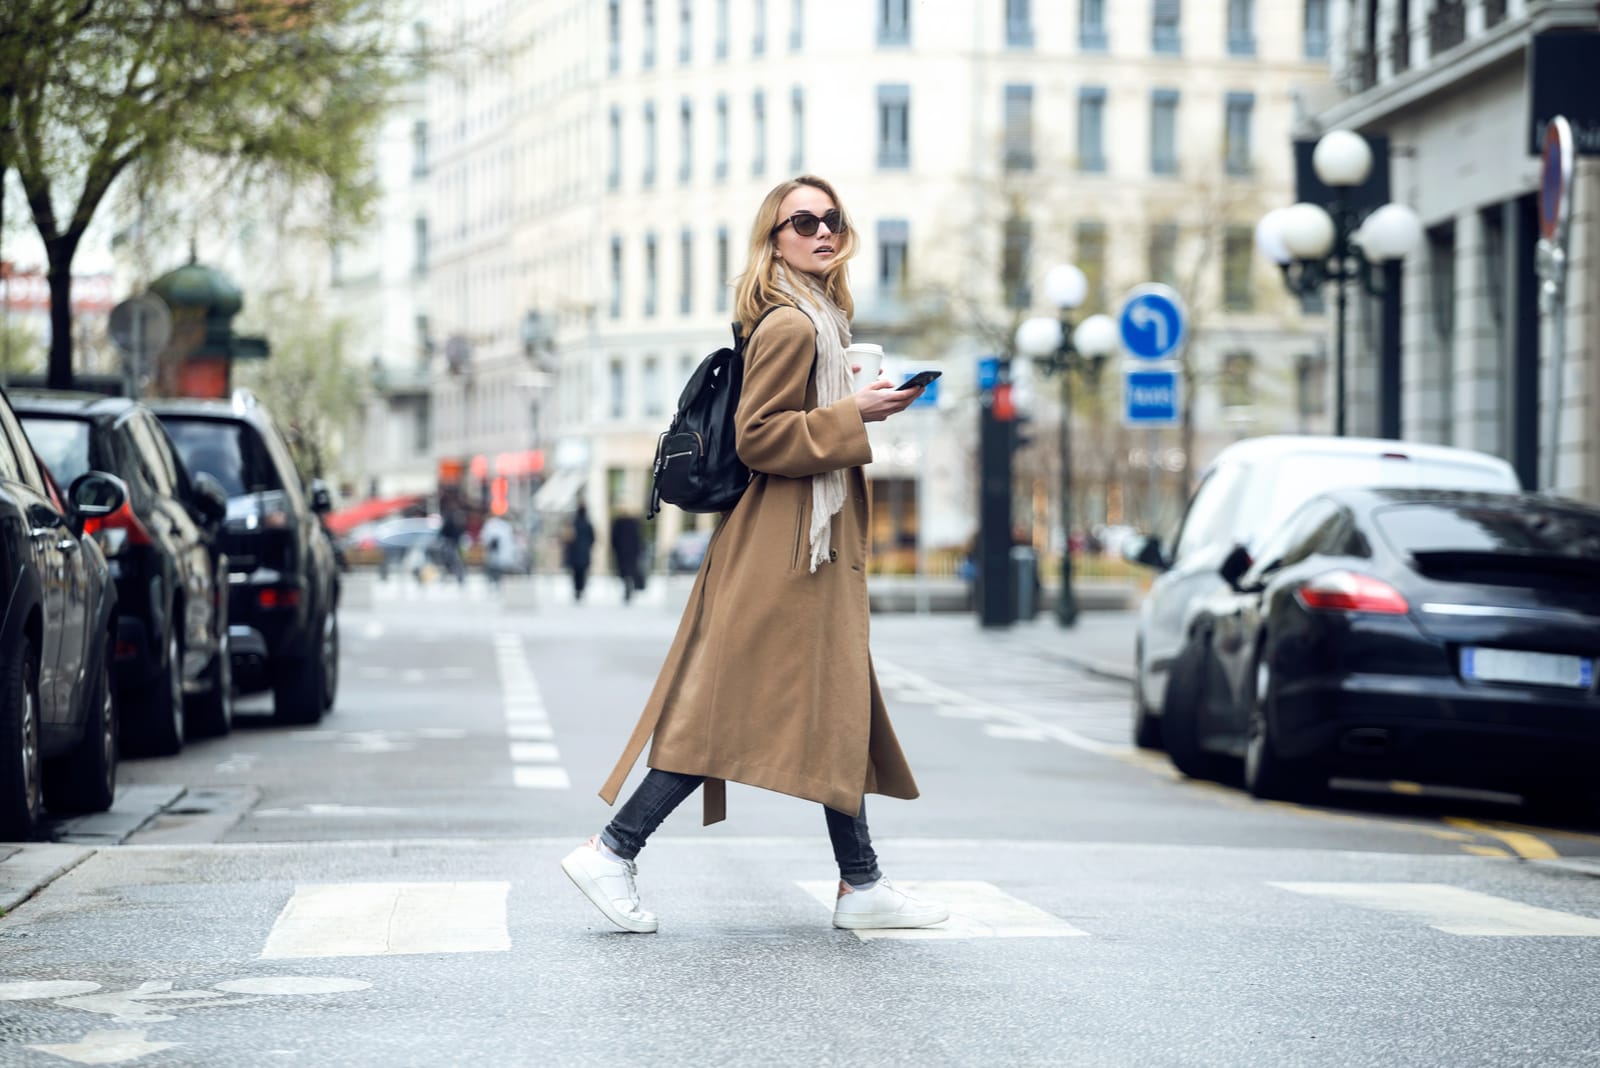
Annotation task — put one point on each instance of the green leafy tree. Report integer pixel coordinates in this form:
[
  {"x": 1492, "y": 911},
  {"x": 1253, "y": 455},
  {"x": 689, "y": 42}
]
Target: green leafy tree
[{"x": 287, "y": 89}]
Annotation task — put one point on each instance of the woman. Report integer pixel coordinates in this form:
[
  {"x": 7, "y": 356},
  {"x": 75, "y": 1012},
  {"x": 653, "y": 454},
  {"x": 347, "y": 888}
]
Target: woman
[{"x": 769, "y": 681}]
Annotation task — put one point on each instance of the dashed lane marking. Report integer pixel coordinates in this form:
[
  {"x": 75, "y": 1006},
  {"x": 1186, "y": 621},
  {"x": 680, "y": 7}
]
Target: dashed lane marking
[
  {"x": 535, "y": 758},
  {"x": 1453, "y": 910}
]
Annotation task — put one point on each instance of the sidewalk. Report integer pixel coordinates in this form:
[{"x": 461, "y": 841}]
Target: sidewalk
[{"x": 1100, "y": 642}]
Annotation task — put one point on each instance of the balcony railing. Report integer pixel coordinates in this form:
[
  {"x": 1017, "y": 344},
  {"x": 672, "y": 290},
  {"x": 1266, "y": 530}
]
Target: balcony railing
[
  {"x": 1362, "y": 74},
  {"x": 1494, "y": 13},
  {"x": 1400, "y": 50},
  {"x": 1447, "y": 26}
]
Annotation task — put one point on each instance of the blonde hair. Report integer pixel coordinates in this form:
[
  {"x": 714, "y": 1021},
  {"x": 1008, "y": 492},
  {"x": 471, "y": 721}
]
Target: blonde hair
[{"x": 756, "y": 290}]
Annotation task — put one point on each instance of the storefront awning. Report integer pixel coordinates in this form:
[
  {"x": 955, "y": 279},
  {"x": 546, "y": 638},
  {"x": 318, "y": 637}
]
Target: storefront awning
[
  {"x": 559, "y": 491},
  {"x": 347, "y": 519}
]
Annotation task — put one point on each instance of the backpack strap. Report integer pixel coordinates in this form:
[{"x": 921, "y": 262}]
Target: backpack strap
[{"x": 741, "y": 340}]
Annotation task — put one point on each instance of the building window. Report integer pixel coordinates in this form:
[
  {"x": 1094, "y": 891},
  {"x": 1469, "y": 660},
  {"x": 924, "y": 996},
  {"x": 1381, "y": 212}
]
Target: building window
[
  {"x": 419, "y": 245},
  {"x": 722, "y": 29},
  {"x": 1237, "y": 148},
  {"x": 1316, "y": 29},
  {"x": 758, "y": 40},
  {"x": 616, "y": 278},
  {"x": 651, "y": 275},
  {"x": 797, "y": 25},
  {"x": 1091, "y": 129},
  {"x": 614, "y": 170},
  {"x": 758, "y": 105},
  {"x": 419, "y": 149},
  {"x": 723, "y": 269},
  {"x": 1018, "y": 154},
  {"x": 685, "y": 273},
  {"x": 1442, "y": 279},
  {"x": 894, "y": 22},
  {"x": 893, "y": 239},
  {"x": 1235, "y": 384},
  {"x": 1165, "y": 35},
  {"x": 651, "y": 387},
  {"x": 1163, "y": 265},
  {"x": 649, "y": 59},
  {"x": 685, "y": 31},
  {"x": 1164, "y": 131},
  {"x": 618, "y": 381},
  {"x": 797, "y": 130},
  {"x": 685, "y": 141},
  {"x": 1092, "y": 26},
  {"x": 1238, "y": 248},
  {"x": 1241, "y": 27},
  {"x": 722, "y": 137},
  {"x": 613, "y": 36},
  {"x": 1016, "y": 262},
  {"x": 1091, "y": 258},
  {"x": 649, "y": 145},
  {"x": 894, "y": 127},
  {"x": 1019, "y": 23}
]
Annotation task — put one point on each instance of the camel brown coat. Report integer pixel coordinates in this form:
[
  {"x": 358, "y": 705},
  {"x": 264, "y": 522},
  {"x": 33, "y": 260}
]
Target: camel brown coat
[{"x": 769, "y": 681}]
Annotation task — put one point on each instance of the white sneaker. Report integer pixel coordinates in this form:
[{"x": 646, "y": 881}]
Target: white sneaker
[
  {"x": 884, "y": 906},
  {"x": 608, "y": 882}
]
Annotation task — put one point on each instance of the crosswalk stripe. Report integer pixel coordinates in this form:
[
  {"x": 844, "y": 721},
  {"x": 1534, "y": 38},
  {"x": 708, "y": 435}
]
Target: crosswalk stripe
[
  {"x": 1453, "y": 910},
  {"x": 390, "y": 919},
  {"x": 977, "y": 910},
  {"x": 529, "y": 732},
  {"x": 534, "y": 752},
  {"x": 540, "y": 778},
  {"x": 534, "y": 756}
]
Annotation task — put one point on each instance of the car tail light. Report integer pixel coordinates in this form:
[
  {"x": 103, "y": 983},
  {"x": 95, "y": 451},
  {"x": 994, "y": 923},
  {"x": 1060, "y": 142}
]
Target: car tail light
[
  {"x": 1348, "y": 591},
  {"x": 278, "y": 597},
  {"x": 118, "y": 530}
]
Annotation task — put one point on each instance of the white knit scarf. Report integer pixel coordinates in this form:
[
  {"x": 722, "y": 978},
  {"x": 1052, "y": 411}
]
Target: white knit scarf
[{"x": 834, "y": 383}]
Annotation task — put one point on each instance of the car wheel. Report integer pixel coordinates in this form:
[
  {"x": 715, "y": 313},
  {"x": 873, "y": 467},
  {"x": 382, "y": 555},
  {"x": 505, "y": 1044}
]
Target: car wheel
[
  {"x": 298, "y": 687},
  {"x": 85, "y": 780},
  {"x": 21, "y": 793},
  {"x": 1267, "y": 774},
  {"x": 329, "y": 651},
  {"x": 1180, "y": 715},
  {"x": 1146, "y": 727},
  {"x": 210, "y": 712},
  {"x": 160, "y": 730}
]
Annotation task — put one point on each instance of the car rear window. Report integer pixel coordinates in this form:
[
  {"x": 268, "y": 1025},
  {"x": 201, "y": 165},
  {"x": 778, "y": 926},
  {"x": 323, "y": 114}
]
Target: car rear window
[
  {"x": 231, "y": 453},
  {"x": 1429, "y": 528},
  {"x": 63, "y": 445},
  {"x": 1297, "y": 479}
]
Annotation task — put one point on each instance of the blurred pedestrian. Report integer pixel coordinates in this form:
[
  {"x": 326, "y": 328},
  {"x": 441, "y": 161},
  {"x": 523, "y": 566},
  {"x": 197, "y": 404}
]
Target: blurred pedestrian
[
  {"x": 452, "y": 524},
  {"x": 579, "y": 549},
  {"x": 499, "y": 548},
  {"x": 769, "y": 681},
  {"x": 625, "y": 550}
]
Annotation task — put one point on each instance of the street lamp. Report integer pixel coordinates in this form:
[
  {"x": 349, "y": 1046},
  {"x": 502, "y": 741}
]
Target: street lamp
[
  {"x": 1057, "y": 348},
  {"x": 1315, "y": 244}
]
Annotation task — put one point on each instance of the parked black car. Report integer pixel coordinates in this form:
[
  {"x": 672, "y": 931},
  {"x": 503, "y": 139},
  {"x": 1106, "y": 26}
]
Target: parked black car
[
  {"x": 1430, "y": 635},
  {"x": 58, "y": 719},
  {"x": 284, "y": 580},
  {"x": 172, "y": 669}
]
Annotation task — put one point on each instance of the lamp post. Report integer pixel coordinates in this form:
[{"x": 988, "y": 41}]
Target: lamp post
[
  {"x": 1057, "y": 348},
  {"x": 1315, "y": 244}
]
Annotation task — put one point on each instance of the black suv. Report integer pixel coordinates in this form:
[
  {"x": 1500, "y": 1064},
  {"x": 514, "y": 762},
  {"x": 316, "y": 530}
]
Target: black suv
[
  {"x": 284, "y": 580},
  {"x": 171, "y": 656}
]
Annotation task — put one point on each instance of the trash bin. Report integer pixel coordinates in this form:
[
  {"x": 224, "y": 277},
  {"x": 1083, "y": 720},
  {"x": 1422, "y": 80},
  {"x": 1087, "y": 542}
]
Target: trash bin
[{"x": 1024, "y": 581}]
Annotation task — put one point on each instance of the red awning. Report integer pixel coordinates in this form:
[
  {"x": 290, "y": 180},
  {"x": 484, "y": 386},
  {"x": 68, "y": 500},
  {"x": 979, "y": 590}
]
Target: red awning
[{"x": 347, "y": 519}]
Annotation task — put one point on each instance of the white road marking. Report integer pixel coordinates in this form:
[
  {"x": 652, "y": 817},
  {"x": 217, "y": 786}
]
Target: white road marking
[
  {"x": 47, "y": 988},
  {"x": 535, "y": 778},
  {"x": 236, "y": 762},
  {"x": 534, "y": 752},
  {"x": 1455, "y": 911},
  {"x": 1014, "y": 733},
  {"x": 530, "y": 732},
  {"x": 977, "y": 910},
  {"x": 390, "y": 919},
  {"x": 106, "y": 1047},
  {"x": 317, "y": 808},
  {"x": 293, "y": 984}
]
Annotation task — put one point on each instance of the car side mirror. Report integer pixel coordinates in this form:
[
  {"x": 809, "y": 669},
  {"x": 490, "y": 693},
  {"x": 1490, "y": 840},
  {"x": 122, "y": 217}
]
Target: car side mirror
[
  {"x": 210, "y": 500},
  {"x": 321, "y": 498},
  {"x": 1234, "y": 565},
  {"x": 95, "y": 495},
  {"x": 1145, "y": 551}
]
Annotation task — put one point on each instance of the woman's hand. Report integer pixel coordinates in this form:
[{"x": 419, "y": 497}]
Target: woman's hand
[{"x": 879, "y": 400}]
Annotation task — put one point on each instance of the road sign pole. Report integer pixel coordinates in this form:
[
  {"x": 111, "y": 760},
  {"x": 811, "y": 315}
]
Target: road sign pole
[{"x": 1555, "y": 213}]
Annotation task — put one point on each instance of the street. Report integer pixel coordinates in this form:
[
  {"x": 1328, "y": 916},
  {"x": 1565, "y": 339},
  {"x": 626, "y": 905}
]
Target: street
[{"x": 383, "y": 889}]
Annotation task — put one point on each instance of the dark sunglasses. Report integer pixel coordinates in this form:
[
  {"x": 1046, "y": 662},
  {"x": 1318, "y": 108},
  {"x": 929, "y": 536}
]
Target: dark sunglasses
[{"x": 805, "y": 223}]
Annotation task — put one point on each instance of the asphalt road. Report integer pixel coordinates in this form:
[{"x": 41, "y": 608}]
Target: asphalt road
[{"x": 383, "y": 889}]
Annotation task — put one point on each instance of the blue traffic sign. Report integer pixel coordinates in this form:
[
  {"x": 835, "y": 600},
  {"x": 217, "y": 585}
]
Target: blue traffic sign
[
  {"x": 1152, "y": 322},
  {"x": 988, "y": 371},
  {"x": 1150, "y": 398}
]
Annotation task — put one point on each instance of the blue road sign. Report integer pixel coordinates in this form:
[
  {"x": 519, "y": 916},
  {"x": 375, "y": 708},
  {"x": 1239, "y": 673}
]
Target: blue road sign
[
  {"x": 1150, "y": 398},
  {"x": 988, "y": 371},
  {"x": 1152, "y": 322}
]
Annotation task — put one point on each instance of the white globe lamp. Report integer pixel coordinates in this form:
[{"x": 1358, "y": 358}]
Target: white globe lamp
[
  {"x": 1390, "y": 233},
  {"x": 1039, "y": 336},
  {"x": 1269, "y": 237},
  {"x": 1096, "y": 337},
  {"x": 1066, "y": 286},
  {"x": 1342, "y": 158},
  {"x": 1308, "y": 231}
]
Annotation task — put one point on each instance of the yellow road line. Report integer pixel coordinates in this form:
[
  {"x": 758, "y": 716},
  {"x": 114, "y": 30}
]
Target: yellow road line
[{"x": 1527, "y": 846}]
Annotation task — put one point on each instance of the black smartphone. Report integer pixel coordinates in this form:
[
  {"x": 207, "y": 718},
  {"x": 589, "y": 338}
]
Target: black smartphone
[{"x": 919, "y": 380}]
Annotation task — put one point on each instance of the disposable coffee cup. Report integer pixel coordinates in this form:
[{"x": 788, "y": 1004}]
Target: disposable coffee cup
[{"x": 869, "y": 358}]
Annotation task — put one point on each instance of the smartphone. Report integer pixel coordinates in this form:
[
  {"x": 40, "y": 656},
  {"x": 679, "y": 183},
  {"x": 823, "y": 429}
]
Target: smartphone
[{"x": 919, "y": 380}]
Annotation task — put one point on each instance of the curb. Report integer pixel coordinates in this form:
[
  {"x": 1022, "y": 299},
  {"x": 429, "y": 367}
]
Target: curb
[{"x": 33, "y": 867}]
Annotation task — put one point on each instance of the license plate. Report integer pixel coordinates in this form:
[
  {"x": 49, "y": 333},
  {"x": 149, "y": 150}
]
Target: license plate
[{"x": 1515, "y": 665}]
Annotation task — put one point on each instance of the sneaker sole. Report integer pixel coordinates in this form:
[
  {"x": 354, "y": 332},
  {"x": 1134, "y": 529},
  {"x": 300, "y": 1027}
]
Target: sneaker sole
[
  {"x": 868, "y": 921},
  {"x": 599, "y": 900}
]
